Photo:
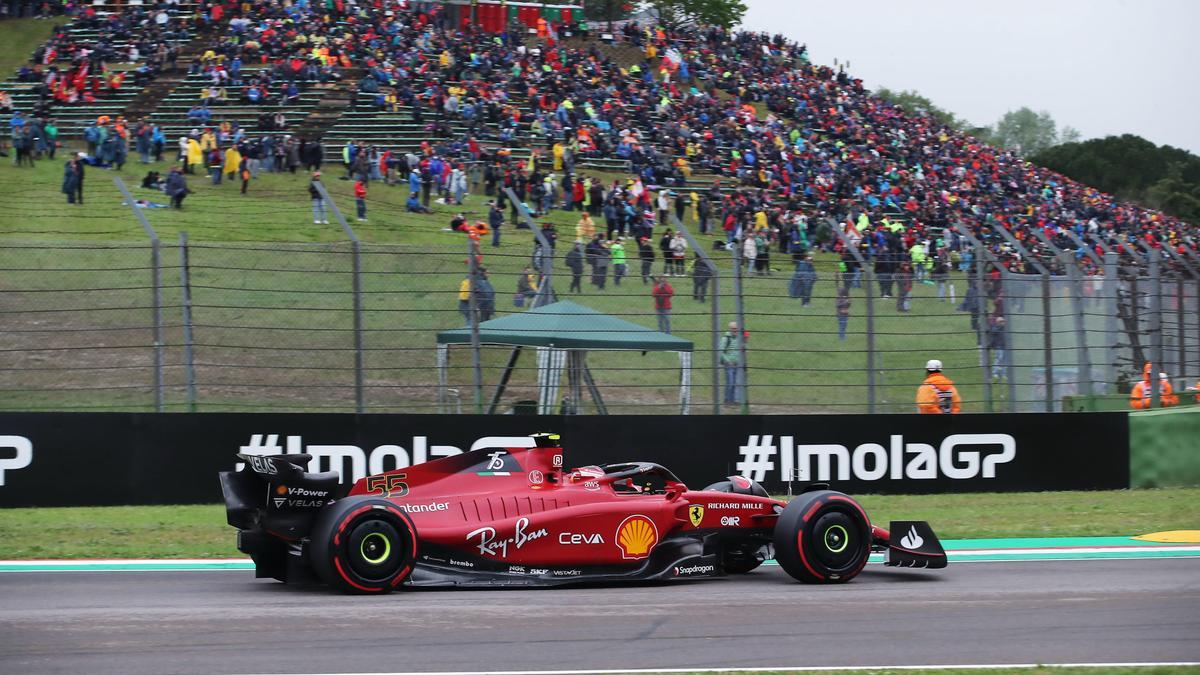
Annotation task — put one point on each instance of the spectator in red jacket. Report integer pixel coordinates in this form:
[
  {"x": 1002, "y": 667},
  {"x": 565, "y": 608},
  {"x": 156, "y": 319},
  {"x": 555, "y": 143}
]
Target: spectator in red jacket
[
  {"x": 360, "y": 199},
  {"x": 662, "y": 293}
]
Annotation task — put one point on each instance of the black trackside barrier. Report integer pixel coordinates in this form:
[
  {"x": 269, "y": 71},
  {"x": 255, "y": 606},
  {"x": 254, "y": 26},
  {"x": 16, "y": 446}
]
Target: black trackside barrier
[{"x": 73, "y": 459}]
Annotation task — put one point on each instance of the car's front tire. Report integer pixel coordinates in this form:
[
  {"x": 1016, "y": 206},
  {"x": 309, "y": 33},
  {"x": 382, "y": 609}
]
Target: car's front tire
[
  {"x": 823, "y": 537},
  {"x": 363, "y": 545}
]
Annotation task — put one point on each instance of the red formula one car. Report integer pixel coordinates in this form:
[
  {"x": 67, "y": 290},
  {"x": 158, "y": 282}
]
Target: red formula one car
[{"x": 504, "y": 517}]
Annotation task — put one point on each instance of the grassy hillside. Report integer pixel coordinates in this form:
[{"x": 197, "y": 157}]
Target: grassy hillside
[{"x": 252, "y": 294}]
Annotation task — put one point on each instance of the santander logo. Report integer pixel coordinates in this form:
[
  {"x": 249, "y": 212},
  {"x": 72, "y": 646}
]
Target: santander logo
[{"x": 912, "y": 539}]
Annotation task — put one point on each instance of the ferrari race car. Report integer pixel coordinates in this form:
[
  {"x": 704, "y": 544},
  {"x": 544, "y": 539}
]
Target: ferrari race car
[{"x": 515, "y": 517}]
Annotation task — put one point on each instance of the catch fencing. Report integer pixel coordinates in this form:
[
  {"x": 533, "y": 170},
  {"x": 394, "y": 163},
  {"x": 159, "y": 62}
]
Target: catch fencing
[{"x": 188, "y": 325}]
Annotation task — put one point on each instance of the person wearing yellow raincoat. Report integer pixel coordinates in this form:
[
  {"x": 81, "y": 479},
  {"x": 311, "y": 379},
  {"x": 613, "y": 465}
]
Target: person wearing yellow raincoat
[
  {"x": 233, "y": 159},
  {"x": 195, "y": 156}
]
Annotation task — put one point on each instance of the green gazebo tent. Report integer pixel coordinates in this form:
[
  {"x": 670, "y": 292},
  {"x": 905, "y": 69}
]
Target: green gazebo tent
[{"x": 563, "y": 332}]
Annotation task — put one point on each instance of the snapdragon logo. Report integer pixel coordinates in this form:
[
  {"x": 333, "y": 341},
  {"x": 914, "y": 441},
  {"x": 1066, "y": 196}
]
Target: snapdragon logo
[
  {"x": 22, "y": 457},
  {"x": 958, "y": 457}
]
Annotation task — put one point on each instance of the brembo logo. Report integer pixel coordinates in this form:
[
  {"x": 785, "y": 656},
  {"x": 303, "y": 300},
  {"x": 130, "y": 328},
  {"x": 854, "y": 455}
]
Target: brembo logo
[{"x": 958, "y": 457}]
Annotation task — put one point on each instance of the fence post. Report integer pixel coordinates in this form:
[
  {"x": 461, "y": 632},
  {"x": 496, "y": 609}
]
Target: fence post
[
  {"x": 473, "y": 320},
  {"x": 156, "y": 281},
  {"x": 1112, "y": 293},
  {"x": 868, "y": 277},
  {"x": 1156, "y": 341},
  {"x": 1048, "y": 341},
  {"x": 356, "y": 289},
  {"x": 1075, "y": 284},
  {"x": 742, "y": 382},
  {"x": 545, "y": 292},
  {"x": 985, "y": 354},
  {"x": 189, "y": 369},
  {"x": 869, "y": 280},
  {"x": 716, "y": 313}
]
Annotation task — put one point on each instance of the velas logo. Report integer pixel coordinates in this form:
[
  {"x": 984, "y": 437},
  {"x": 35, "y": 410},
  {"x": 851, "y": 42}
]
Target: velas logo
[
  {"x": 636, "y": 535},
  {"x": 696, "y": 514}
]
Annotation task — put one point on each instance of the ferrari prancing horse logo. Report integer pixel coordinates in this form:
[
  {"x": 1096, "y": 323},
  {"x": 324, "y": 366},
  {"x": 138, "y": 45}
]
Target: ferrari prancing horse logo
[{"x": 696, "y": 514}]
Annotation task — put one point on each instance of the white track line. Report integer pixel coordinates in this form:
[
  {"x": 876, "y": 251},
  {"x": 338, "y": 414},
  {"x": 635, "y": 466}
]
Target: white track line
[{"x": 795, "y": 669}]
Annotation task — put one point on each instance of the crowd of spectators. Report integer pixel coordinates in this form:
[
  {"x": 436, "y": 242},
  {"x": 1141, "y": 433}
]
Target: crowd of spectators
[{"x": 790, "y": 145}]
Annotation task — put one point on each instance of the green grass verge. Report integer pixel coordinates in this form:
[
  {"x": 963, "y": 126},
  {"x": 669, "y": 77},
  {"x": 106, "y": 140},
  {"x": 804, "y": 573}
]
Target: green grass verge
[{"x": 199, "y": 531}]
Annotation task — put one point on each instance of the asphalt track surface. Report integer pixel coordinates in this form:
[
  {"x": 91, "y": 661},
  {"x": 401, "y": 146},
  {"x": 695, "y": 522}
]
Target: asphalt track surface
[{"x": 226, "y": 622}]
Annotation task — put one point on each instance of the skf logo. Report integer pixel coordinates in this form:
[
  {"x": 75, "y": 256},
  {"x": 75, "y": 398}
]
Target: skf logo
[
  {"x": 636, "y": 536},
  {"x": 696, "y": 514},
  {"x": 21, "y": 459}
]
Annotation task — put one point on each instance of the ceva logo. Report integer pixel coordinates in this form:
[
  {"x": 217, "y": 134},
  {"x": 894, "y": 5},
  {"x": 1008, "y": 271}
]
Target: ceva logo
[{"x": 22, "y": 458}]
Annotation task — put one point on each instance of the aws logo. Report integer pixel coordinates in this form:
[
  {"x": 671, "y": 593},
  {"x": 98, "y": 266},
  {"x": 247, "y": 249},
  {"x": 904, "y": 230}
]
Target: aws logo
[{"x": 636, "y": 536}]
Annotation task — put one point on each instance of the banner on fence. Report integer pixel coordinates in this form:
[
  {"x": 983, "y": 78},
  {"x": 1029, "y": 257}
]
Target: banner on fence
[{"x": 69, "y": 459}]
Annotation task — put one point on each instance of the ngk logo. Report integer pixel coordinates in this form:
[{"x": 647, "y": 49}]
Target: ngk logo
[{"x": 959, "y": 457}]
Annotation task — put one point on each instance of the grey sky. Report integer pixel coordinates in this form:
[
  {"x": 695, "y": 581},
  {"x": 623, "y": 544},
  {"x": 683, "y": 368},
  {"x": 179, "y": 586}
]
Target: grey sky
[{"x": 1102, "y": 66}]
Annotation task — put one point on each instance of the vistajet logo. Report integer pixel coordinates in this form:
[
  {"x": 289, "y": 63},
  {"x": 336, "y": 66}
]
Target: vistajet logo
[{"x": 958, "y": 457}]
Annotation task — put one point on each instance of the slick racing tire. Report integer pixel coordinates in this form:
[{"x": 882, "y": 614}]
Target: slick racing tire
[
  {"x": 822, "y": 537},
  {"x": 363, "y": 545}
]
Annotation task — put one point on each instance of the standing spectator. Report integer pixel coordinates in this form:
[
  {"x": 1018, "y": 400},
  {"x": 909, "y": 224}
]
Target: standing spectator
[
  {"x": 526, "y": 288},
  {"x": 937, "y": 395},
  {"x": 618, "y": 259},
  {"x": 749, "y": 251},
  {"x": 244, "y": 172},
  {"x": 215, "y": 163},
  {"x": 803, "y": 280},
  {"x": 72, "y": 185},
  {"x": 679, "y": 253},
  {"x": 176, "y": 187},
  {"x": 701, "y": 274},
  {"x": 318, "y": 202},
  {"x": 575, "y": 264},
  {"x": 464, "y": 299},
  {"x": 998, "y": 344},
  {"x": 646, "y": 255},
  {"x": 603, "y": 259},
  {"x": 843, "y": 311},
  {"x": 662, "y": 293},
  {"x": 664, "y": 206},
  {"x": 485, "y": 296},
  {"x": 360, "y": 199},
  {"x": 664, "y": 246},
  {"x": 731, "y": 359},
  {"x": 495, "y": 220},
  {"x": 904, "y": 284},
  {"x": 941, "y": 273}
]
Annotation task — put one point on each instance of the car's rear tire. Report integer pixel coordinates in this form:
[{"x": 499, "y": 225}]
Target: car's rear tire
[
  {"x": 363, "y": 545},
  {"x": 823, "y": 537}
]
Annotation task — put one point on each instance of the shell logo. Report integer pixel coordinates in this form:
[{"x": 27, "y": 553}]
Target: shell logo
[
  {"x": 282, "y": 489},
  {"x": 636, "y": 536}
]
